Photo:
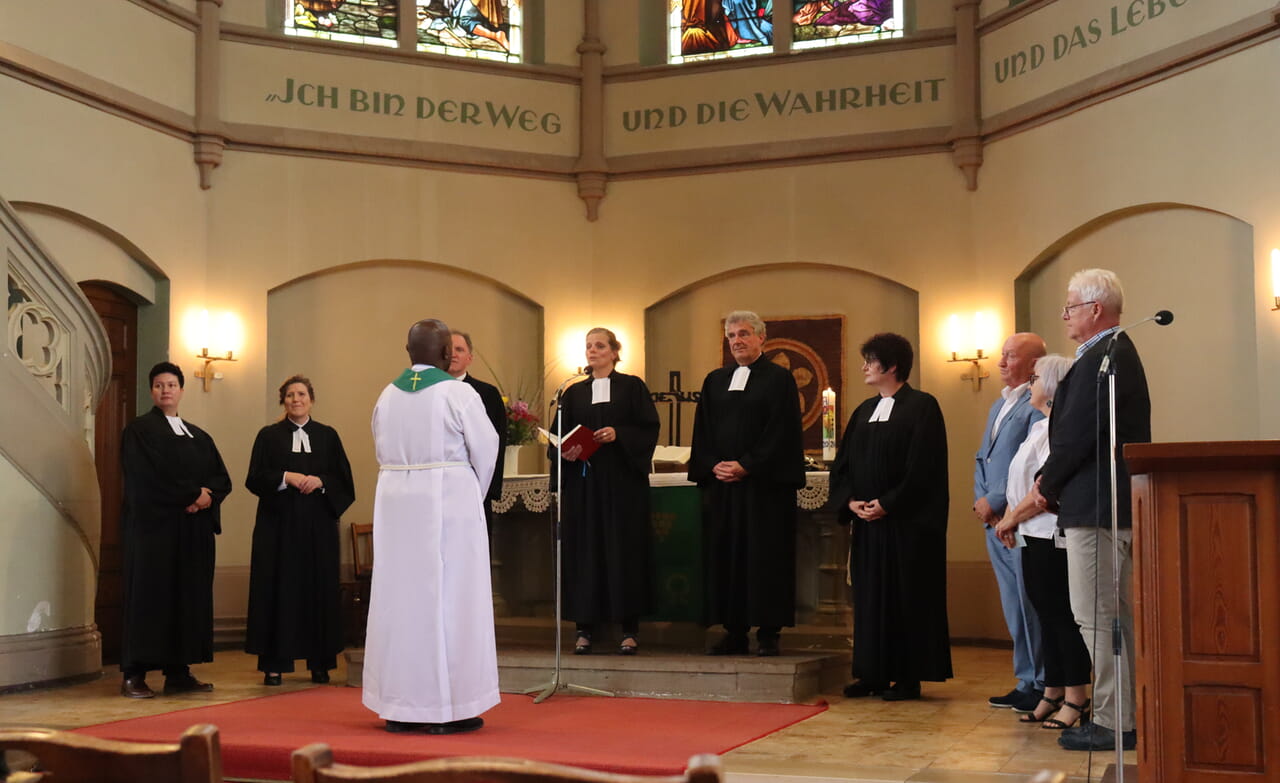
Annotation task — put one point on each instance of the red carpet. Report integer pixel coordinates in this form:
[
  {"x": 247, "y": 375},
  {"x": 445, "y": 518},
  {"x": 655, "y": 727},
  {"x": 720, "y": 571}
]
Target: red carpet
[{"x": 640, "y": 736}]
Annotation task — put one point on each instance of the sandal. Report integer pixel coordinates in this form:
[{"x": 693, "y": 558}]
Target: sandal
[
  {"x": 583, "y": 645},
  {"x": 1082, "y": 714},
  {"x": 628, "y": 649},
  {"x": 1035, "y": 717}
]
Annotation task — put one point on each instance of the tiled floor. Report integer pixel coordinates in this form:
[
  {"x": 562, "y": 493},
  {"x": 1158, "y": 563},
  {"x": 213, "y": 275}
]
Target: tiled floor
[{"x": 949, "y": 736}]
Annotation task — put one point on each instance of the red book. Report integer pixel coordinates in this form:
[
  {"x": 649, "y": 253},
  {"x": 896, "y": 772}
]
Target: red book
[{"x": 578, "y": 436}]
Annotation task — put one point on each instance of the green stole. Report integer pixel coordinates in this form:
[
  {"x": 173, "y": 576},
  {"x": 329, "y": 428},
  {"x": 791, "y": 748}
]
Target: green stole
[{"x": 416, "y": 380}]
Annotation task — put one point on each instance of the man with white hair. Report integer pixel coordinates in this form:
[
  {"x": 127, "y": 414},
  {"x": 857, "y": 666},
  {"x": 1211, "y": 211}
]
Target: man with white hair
[
  {"x": 748, "y": 459},
  {"x": 1075, "y": 481}
]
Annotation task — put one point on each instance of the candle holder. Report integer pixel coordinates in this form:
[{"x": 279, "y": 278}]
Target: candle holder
[{"x": 976, "y": 374}]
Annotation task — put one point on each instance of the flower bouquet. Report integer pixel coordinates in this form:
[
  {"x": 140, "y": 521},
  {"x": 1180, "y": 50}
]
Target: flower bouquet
[{"x": 522, "y": 423}]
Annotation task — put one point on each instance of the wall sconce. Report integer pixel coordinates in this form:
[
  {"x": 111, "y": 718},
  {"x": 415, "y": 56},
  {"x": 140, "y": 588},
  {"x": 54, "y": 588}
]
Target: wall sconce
[
  {"x": 966, "y": 346},
  {"x": 1275, "y": 277},
  {"x": 202, "y": 334}
]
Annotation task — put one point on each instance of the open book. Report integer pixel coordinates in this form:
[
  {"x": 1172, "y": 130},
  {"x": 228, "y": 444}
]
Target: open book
[{"x": 578, "y": 436}]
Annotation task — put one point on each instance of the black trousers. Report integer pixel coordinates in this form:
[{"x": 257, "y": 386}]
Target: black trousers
[{"x": 1044, "y": 572}]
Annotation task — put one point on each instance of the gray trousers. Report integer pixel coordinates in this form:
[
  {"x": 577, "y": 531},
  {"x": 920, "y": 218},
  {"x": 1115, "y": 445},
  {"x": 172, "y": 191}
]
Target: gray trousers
[{"x": 1089, "y": 574}]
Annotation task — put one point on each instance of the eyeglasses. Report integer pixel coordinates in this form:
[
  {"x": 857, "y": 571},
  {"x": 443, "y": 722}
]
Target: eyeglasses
[
  {"x": 1066, "y": 311},
  {"x": 1033, "y": 378}
]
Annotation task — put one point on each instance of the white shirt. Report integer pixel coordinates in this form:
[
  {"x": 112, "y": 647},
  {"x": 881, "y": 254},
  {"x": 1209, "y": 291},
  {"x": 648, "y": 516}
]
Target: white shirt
[
  {"x": 1010, "y": 399},
  {"x": 1022, "y": 477}
]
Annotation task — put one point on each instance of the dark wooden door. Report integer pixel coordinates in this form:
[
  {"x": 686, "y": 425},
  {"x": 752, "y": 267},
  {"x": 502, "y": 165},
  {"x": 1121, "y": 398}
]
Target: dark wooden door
[{"x": 120, "y": 318}]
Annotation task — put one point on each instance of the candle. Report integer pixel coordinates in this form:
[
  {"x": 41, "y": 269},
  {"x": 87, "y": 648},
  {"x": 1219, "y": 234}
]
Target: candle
[{"x": 828, "y": 425}]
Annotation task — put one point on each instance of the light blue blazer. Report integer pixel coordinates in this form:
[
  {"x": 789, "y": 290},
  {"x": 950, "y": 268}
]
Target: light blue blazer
[{"x": 991, "y": 467}]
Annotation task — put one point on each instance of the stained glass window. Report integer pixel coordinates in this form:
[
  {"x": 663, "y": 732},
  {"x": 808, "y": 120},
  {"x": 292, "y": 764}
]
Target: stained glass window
[
  {"x": 488, "y": 29},
  {"x": 829, "y": 23},
  {"x": 353, "y": 21},
  {"x": 713, "y": 29}
]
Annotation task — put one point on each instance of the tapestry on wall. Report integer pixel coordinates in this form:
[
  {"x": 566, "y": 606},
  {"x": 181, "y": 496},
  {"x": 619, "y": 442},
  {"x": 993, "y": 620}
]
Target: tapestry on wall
[{"x": 812, "y": 348}]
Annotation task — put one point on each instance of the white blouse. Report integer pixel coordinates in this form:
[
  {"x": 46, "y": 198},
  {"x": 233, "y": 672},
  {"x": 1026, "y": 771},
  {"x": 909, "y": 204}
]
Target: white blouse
[{"x": 1030, "y": 458}]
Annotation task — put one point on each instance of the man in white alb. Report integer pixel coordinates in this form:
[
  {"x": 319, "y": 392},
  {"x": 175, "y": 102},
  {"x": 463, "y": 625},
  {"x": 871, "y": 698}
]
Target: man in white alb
[{"x": 431, "y": 662}]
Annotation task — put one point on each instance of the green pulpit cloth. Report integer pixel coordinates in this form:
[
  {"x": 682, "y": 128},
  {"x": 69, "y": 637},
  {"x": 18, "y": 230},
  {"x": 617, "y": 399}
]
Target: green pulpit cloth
[{"x": 676, "y": 515}]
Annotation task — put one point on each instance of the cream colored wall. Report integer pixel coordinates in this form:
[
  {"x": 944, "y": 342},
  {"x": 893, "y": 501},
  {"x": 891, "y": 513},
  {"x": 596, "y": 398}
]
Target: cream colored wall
[
  {"x": 684, "y": 333},
  {"x": 87, "y": 255},
  {"x": 87, "y": 36},
  {"x": 346, "y": 331},
  {"x": 33, "y": 534},
  {"x": 1185, "y": 362}
]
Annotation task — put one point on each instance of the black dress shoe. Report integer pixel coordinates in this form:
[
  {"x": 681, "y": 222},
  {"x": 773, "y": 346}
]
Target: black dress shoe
[
  {"x": 272, "y": 679},
  {"x": 861, "y": 688},
  {"x": 1092, "y": 736},
  {"x": 185, "y": 684},
  {"x": 136, "y": 687},
  {"x": 320, "y": 677},
  {"x": 455, "y": 726},
  {"x": 1027, "y": 702},
  {"x": 730, "y": 644},
  {"x": 1006, "y": 701},
  {"x": 902, "y": 691},
  {"x": 403, "y": 727}
]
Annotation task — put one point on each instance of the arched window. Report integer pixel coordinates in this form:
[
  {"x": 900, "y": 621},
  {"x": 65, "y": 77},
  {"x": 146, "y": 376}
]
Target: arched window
[
  {"x": 487, "y": 29},
  {"x": 715, "y": 29}
]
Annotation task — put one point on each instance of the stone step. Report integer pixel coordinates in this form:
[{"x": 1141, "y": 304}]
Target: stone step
[{"x": 663, "y": 673}]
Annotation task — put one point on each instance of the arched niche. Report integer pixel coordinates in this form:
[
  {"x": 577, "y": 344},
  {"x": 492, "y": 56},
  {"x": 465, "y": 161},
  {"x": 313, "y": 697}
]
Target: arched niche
[
  {"x": 1196, "y": 262},
  {"x": 683, "y": 329},
  {"x": 345, "y": 328}
]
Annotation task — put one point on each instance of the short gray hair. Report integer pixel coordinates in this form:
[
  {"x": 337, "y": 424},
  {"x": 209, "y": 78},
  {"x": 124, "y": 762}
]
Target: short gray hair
[
  {"x": 1101, "y": 286},
  {"x": 1051, "y": 370},
  {"x": 466, "y": 337},
  {"x": 745, "y": 317}
]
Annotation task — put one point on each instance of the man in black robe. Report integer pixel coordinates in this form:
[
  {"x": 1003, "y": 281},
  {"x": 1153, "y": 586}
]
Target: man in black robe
[
  {"x": 300, "y": 474},
  {"x": 174, "y": 484},
  {"x": 459, "y": 365},
  {"x": 748, "y": 458},
  {"x": 890, "y": 480}
]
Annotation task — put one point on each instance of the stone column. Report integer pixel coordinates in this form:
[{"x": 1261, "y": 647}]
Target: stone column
[
  {"x": 591, "y": 167},
  {"x": 209, "y": 140},
  {"x": 965, "y": 136}
]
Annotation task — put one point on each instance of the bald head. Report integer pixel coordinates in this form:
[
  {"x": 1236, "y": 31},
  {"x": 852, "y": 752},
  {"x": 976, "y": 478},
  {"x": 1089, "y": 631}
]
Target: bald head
[
  {"x": 429, "y": 343},
  {"x": 1018, "y": 357}
]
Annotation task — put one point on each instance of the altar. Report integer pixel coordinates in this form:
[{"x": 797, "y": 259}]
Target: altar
[{"x": 523, "y": 551}]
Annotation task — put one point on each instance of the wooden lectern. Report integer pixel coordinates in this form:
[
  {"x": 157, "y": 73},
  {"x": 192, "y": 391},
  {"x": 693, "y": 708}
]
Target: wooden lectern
[{"x": 1206, "y": 554}]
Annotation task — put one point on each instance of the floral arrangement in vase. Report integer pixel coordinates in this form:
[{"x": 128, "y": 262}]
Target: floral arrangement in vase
[{"x": 522, "y": 423}]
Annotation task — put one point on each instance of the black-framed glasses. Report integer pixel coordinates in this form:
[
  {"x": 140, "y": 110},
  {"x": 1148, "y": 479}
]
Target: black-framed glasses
[
  {"x": 1033, "y": 378},
  {"x": 1066, "y": 311}
]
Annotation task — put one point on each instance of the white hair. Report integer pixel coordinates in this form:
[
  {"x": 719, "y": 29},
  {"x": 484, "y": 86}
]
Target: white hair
[
  {"x": 745, "y": 317},
  {"x": 1101, "y": 286},
  {"x": 1051, "y": 370}
]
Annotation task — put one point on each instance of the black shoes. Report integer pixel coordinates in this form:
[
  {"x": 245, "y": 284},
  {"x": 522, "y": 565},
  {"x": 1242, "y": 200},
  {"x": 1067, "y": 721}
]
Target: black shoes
[
  {"x": 272, "y": 678},
  {"x": 1021, "y": 702},
  {"x": 731, "y": 644},
  {"x": 628, "y": 649},
  {"x": 136, "y": 687},
  {"x": 185, "y": 684},
  {"x": 862, "y": 688},
  {"x": 902, "y": 691},
  {"x": 452, "y": 727},
  {"x": 320, "y": 677},
  {"x": 583, "y": 644},
  {"x": 1094, "y": 736}
]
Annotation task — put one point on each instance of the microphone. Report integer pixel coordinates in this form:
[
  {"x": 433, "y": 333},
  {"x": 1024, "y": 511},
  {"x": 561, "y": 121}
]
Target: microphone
[{"x": 1162, "y": 317}]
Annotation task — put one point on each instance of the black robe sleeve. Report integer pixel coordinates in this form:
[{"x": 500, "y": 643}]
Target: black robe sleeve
[
  {"x": 926, "y": 458},
  {"x": 638, "y": 422}
]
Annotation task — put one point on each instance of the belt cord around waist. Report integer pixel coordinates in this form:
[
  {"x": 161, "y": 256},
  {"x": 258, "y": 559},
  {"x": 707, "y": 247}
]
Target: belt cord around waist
[{"x": 426, "y": 466}]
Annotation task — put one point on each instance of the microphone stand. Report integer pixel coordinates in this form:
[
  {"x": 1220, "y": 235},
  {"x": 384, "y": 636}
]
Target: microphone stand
[
  {"x": 551, "y": 687},
  {"x": 1108, "y": 369}
]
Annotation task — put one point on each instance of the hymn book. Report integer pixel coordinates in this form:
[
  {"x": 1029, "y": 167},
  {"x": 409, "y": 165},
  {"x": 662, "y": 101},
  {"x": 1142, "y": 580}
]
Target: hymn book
[{"x": 578, "y": 436}]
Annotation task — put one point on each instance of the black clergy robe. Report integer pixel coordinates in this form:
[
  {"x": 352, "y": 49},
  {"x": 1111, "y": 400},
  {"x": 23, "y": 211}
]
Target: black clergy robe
[
  {"x": 293, "y": 576},
  {"x": 168, "y": 554},
  {"x": 898, "y": 563},
  {"x": 497, "y": 413},
  {"x": 749, "y": 526},
  {"x": 606, "y": 532}
]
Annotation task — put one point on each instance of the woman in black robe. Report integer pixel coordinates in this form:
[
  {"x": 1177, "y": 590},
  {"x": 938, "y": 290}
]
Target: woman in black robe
[
  {"x": 300, "y": 473},
  {"x": 605, "y": 530},
  {"x": 174, "y": 485},
  {"x": 890, "y": 481}
]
